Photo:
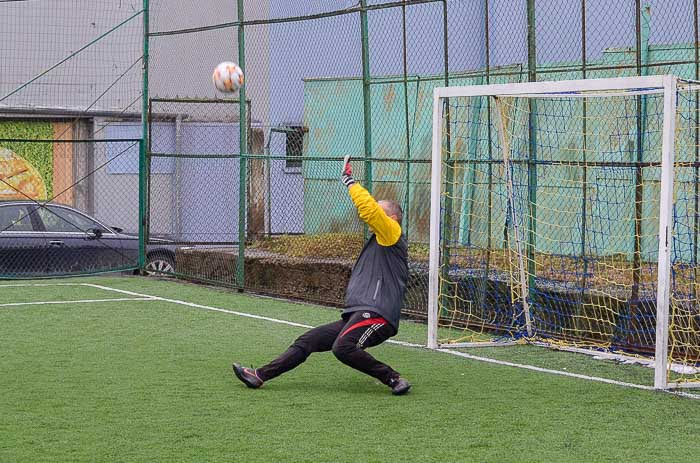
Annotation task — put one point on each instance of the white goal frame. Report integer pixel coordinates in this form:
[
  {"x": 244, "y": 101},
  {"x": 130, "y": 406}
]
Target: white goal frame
[{"x": 662, "y": 84}]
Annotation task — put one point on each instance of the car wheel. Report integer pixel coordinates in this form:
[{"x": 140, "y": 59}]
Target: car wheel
[{"x": 159, "y": 264}]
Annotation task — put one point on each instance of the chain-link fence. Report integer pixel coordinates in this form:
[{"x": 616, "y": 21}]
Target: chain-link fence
[
  {"x": 194, "y": 172},
  {"x": 68, "y": 209},
  {"x": 262, "y": 208},
  {"x": 356, "y": 77},
  {"x": 71, "y": 91}
]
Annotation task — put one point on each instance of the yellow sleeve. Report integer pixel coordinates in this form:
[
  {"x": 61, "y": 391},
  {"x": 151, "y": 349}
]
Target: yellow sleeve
[{"x": 388, "y": 230}]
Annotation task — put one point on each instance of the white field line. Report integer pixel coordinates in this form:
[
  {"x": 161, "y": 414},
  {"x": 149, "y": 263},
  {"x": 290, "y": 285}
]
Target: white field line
[
  {"x": 409, "y": 344},
  {"x": 26, "y": 285},
  {"x": 33, "y": 285},
  {"x": 198, "y": 306},
  {"x": 82, "y": 301}
]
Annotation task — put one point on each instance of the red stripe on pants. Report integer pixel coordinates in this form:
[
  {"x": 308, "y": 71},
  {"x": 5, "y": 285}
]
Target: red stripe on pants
[{"x": 369, "y": 321}]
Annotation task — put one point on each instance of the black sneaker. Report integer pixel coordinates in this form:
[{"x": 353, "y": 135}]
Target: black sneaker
[
  {"x": 399, "y": 386},
  {"x": 248, "y": 376}
]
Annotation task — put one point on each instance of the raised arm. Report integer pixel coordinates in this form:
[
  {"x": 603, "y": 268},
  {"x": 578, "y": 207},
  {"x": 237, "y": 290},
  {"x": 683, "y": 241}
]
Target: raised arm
[{"x": 387, "y": 230}]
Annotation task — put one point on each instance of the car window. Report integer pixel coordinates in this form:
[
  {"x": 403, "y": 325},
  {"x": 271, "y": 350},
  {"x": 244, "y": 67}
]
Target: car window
[
  {"x": 15, "y": 218},
  {"x": 58, "y": 219}
]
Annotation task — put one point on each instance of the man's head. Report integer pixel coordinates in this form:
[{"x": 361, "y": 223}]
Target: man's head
[{"x": 392, "y": 209}]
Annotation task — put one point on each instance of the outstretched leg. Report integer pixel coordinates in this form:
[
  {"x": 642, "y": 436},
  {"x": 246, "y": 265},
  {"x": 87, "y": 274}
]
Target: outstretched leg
[
  {"x": 363, "y": 330},
  {"x": 319, "y": 339}
]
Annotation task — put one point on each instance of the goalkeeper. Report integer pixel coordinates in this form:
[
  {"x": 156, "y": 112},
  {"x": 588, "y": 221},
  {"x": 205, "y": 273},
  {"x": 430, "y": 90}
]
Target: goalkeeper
[{"x": 372, "y": 301}]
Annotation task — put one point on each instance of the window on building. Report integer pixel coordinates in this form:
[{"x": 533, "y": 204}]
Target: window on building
[{"x": 295, "y": 146}]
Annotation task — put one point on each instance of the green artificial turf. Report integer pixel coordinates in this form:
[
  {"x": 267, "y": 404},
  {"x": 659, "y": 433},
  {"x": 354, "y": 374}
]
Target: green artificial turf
[{"x": 152, "y": 381}]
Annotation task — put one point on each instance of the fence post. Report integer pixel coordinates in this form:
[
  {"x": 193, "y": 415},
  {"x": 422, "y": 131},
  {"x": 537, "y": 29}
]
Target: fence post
[
  {"x": 489, "y": 219},
  {"x": 142, "y": 204},
  {"x": 446, "y": 228},
  {"x": 143, "y": 144},
  {"x": 532, "y": 155},
  {"x": 696, "y": 215},
  {"x": 639, "y": 174},
  {"x": 243, "y": 143},
  {"x": 407, "y": 198},
  {"x": 366, "y": 95},
  {"x": 584, "y": 169}
]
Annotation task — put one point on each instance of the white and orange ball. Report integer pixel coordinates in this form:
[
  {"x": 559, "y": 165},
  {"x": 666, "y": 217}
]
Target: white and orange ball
[{"x": 227, "y": 77}]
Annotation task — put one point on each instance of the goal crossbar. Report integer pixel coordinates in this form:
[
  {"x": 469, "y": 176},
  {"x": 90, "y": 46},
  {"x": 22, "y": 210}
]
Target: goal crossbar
[{"x": 563, "y": 88}]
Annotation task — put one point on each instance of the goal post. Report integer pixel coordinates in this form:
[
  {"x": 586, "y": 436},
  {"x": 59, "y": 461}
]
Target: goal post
[
  {"x": 600, "y": 251},
  {"x": 663, "y": 294}
]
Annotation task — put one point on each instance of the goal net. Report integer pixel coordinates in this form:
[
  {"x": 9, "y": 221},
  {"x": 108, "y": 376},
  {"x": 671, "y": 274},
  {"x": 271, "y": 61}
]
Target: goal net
[{"x": 567, "y": 213}]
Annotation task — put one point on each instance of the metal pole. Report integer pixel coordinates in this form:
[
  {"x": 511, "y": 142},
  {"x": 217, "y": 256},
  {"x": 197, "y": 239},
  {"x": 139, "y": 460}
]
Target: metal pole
[
  {"x": 639, "y": 179},
  {"x": 366, "y": 95},
  {"x": 268, "y": 189},
  {"x": 435, "y": 219},
  {"x": 177, "y": 183},
  {"x": 487, "y": 44},
  {"x": 143, "y": 145},
  {"x": 696, "y": 215},
  {"x": 532, "y": 151},
  {"x": 663, "y": 296},
  {"x": 445, "y": 43},
  {"x": 449, "y": 174},
  {"x": 243, "y": 143},
  {"x": 584, "y": 128},
  {"x": 407, "y": 203}
]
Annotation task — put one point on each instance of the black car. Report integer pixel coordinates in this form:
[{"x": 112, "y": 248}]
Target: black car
[{"x": 54, "y": 239}]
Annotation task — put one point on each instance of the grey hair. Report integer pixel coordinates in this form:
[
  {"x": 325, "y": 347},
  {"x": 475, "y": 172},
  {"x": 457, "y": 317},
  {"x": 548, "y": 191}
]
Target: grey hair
[{"x": 394, "y": 209}]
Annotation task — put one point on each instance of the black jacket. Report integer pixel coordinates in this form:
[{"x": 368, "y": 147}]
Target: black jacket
[{"x": 378, "y": 280}]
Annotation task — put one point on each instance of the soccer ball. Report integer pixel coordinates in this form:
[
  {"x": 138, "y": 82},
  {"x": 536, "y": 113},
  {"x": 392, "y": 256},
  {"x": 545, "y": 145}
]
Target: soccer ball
[{"x": 227, "y": 77}]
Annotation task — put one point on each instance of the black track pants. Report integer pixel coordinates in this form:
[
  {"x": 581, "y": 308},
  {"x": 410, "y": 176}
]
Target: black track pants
[{"x": 348, "y": 340}]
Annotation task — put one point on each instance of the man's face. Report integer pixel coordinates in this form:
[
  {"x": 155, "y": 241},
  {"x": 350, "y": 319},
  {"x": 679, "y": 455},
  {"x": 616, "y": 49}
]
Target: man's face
[{"x": 387, "y": 210}]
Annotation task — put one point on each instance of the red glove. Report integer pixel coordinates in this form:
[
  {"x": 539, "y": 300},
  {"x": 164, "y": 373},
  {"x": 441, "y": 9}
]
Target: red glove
[{"x": 346, "y": 178}]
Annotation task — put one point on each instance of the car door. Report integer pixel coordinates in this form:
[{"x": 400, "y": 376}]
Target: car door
[
  {"x": 22, "y": 246},
  {"x": 78, "y": 243}
]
